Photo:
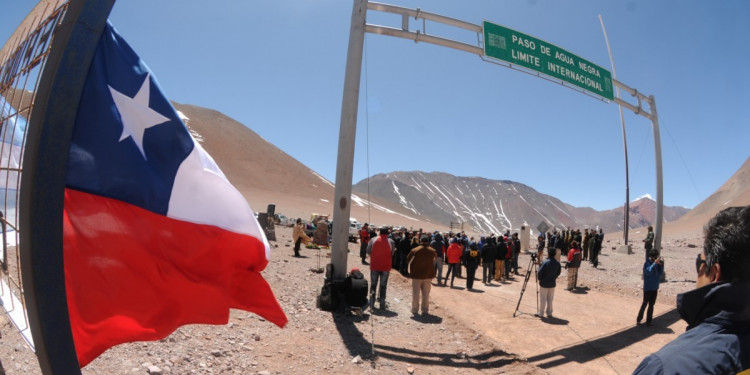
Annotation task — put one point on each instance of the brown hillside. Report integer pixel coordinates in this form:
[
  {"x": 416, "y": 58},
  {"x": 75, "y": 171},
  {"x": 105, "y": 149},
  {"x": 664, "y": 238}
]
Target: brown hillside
[
  {"x": 257, "y": 168},
  {"x": 265, "y": 174},
  {"x": 734, "y": 192}
]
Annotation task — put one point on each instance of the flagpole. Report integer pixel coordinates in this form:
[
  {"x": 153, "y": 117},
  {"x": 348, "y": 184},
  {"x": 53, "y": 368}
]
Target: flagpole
[
  {"x": 347, "y": 134},
  {"x": 626, "y": 215},
  {"x": 43, "y": 182}
]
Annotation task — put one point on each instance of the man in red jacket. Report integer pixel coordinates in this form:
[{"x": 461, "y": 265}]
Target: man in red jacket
[
  {"x": 453, "y": 254},
  {"x": 574, "y": 261},
  {"x": 381, "y": 251},
  {"x": 364, "y": 240}
]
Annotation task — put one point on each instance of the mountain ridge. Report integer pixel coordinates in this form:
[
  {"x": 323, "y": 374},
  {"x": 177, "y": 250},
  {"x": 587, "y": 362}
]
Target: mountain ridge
[
  {"x": 494, "y": 206},
  {"x": 265, "y": 175}
]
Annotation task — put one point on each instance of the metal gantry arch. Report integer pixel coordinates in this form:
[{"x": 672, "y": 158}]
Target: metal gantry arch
[
  {"x": 50, "y": 129},
  {"x": 350, "y": 101}
]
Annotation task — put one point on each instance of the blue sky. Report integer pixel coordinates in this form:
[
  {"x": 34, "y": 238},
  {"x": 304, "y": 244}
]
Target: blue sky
[{"x": 278, "y": 67}]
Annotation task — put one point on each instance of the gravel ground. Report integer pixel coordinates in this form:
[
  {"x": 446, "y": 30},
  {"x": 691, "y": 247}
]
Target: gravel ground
[{"x": 319, "y": 342}]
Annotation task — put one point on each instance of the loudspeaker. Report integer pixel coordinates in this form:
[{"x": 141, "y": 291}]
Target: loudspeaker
[{"x": 271, "y": 210}]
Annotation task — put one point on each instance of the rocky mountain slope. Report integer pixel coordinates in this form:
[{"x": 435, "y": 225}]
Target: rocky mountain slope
[{"x": 492, "y": 206}]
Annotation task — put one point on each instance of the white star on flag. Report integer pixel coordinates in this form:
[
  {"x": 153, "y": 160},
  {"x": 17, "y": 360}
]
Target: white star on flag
[{"x": 136, "y": 115}]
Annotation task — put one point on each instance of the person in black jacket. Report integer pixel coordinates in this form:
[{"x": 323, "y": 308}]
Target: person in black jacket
[
  {"x": 547, "y": 276},
  {"x": 472, "y": 257},
  {"x": 489, "y": 253},
  {"x": 404, "y": 247},
  {"x": 598, "y": 239},
  {"x": 592, "y": 245},
  {"x": 717, "y": 340},
  {"x": 516, "y": 252}
]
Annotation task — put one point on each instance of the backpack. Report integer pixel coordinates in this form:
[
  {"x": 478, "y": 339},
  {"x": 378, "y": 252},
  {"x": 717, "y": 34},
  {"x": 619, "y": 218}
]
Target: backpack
[
  {"x": 327, "y": 300},
  {"x": 355, "y": 289}
]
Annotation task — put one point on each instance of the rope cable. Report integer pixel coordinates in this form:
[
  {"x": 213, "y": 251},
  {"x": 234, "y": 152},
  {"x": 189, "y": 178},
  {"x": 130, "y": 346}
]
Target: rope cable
[
  {"x": 367, "y": 136},
  {"x": 697, "y": 193},
  {"x": 369, "y": 204}
]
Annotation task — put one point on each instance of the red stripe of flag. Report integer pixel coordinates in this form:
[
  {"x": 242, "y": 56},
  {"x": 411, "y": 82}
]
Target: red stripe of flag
[{"x": 133, "y": 275}]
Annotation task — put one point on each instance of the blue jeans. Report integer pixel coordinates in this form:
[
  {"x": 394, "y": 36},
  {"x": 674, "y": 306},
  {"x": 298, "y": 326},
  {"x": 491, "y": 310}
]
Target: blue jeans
[
  {"x": 452, "y": 267},
  {"x": 488, "y": 270},
  {"x": 378, "y": 277},
  {"x": 439, "y": 269}
]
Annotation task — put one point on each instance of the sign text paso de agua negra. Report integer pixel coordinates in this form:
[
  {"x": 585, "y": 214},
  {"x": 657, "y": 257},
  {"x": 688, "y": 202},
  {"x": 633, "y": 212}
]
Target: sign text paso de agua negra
[{"x": 518, "y": 48}]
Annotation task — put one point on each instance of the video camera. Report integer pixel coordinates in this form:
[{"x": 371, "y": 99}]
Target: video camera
[{"x": 533, "y": 256}]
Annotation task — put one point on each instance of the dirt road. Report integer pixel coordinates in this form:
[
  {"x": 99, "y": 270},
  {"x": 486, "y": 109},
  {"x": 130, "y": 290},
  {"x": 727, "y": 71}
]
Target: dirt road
[{"x": 593, "y": 332}]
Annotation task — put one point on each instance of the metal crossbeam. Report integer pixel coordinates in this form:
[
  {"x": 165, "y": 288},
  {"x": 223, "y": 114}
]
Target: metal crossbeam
[{"x": 347, "y": 130}]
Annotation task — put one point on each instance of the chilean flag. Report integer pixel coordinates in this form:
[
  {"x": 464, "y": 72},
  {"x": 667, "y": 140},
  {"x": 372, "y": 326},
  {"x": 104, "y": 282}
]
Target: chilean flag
[{"x": 155, "y": 236}]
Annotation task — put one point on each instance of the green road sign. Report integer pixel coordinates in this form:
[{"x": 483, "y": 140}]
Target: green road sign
[{"x": 518, "y": 48}]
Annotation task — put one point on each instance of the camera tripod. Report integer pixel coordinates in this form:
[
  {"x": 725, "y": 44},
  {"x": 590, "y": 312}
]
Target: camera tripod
[{"x": 532, "y": 265}]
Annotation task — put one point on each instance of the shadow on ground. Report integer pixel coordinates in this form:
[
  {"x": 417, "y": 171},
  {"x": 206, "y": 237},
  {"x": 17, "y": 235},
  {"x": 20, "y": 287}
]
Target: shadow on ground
[
  {"x": 579, "y": 291},
  {"x": 358, "y": 345},
  {"x": 427, "y": 319},
  {"x": 384, "y": 313},
  {"x": 555, "y": 321},
  {"x": 491, "y": 359},
  {"x": 596, "y": 348}
]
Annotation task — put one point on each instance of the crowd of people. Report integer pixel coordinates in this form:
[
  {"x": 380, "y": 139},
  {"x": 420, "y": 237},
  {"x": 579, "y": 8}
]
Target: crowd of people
[
  {"x": 423, "y": 257},
  {"x": 497, "y": 255},
  {"x": 717, "y": 311}
]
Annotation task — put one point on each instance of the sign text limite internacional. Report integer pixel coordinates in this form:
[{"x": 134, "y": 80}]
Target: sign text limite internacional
[{"x": 518, "y": 48}]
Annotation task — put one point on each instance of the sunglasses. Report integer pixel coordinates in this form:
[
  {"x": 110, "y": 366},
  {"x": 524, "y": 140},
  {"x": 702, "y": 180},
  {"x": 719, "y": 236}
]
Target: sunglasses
[{"x": 698, "y": 263}]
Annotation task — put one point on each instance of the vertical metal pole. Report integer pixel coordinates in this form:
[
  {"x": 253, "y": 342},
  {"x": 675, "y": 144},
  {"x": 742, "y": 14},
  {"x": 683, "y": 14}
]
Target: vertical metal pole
[
  {"x": 5, "y": 244},
  {"x": 347, "y": 133},
  {"x": 659, "y": 182},
  {"x": 624, "y": 140},
  {"x": 50, "y": 130}
]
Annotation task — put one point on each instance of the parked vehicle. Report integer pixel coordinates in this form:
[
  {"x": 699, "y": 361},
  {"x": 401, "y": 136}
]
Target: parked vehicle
[
  {"x": 284, "y": 221},
  {"x": 354, "y": 228}
]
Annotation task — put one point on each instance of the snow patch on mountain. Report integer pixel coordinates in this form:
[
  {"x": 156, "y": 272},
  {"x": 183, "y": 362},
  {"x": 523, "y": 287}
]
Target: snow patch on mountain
[
  {"x": 647, "y": 196},
  {"x": 402, "y": 199}
]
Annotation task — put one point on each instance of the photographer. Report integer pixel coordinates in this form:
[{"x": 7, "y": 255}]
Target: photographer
[
  {"x": 652, "y": 269},
  {"x": 717, "y": 312}
]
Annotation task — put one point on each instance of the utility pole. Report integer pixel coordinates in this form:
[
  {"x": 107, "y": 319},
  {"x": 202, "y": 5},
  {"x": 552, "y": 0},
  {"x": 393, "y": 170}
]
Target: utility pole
[{"x": 347, "y": 133}]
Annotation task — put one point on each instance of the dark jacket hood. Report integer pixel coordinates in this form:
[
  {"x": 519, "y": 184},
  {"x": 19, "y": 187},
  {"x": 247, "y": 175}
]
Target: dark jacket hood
[{"x": 724, "y": 300}]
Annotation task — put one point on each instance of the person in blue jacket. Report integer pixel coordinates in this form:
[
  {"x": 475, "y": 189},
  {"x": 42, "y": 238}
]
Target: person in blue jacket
[
  {"x": 652, "y": 269},
  {"x": 717, "y": 340},
  {"x": 547, "y": 276}
]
